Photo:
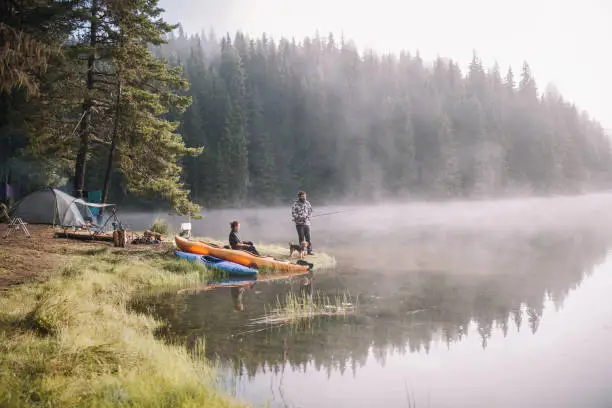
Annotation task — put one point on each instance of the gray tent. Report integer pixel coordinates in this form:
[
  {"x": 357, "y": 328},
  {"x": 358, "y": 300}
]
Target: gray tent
[{"x": 52, "y": 206}]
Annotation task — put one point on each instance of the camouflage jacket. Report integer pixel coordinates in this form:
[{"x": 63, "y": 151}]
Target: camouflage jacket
[{"x": 301, "y": 212}]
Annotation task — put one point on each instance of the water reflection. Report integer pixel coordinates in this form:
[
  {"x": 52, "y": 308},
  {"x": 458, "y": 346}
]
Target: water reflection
[
  {"x": 403, "y": 311},
  {"x": 459, "y": 304}
]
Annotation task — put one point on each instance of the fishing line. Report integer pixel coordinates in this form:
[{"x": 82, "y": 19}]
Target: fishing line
[{"x": 331, "y": 213}]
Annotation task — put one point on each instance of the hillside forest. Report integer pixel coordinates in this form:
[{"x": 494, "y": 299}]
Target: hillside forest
[{"x": 105, "y": 95}]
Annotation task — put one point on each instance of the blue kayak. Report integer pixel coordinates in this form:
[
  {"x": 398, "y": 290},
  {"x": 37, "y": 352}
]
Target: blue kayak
[{"x": 216, "y": 263}]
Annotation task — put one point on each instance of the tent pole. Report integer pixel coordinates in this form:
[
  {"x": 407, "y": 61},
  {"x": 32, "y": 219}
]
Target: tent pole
[
  {"x": 68, "y": 208},
  {"x": 55, "y": 210}
]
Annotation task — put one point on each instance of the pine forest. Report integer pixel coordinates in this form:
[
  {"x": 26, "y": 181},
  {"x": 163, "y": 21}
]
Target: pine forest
[{"x": 103, "y": 94}]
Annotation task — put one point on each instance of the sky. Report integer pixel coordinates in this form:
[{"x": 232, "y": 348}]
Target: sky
[{"x": 566, "y": 42}]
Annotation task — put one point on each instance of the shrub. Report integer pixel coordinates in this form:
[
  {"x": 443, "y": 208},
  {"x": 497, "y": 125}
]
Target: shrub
[{"x": 160, "y": 226}]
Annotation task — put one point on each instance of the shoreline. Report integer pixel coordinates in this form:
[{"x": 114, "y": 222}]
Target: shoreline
[
  {"x": 67, "y": 337},
  {"x": 71, "y": 341}
]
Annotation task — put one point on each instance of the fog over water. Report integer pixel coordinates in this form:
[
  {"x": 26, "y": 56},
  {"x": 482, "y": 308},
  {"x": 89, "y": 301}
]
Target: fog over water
[{"x": 480, "y": 304}]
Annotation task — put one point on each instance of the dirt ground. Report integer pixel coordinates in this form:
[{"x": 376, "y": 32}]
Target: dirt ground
[{"x": 25, "y": 259}]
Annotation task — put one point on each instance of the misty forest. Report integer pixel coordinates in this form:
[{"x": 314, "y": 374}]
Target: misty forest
[
  {"x": 104, "y": 95},
  {"x": 466, "y": 244}
]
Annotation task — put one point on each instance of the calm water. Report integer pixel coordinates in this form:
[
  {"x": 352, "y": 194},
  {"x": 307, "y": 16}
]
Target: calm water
[{"x": 497, "y": 304}]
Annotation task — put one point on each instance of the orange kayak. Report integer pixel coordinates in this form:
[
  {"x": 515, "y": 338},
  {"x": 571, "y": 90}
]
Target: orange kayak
[{"x": 239, "y": 257}]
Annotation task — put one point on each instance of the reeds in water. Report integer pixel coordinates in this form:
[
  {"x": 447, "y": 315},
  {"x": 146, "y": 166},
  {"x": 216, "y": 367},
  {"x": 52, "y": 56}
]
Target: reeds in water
[{"x": 293, "y": 308}]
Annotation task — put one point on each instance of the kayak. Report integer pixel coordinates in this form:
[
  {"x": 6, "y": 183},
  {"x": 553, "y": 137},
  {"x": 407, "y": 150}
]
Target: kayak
[
  {"x": 216, "y": 263},
  {"x": 240, "y": 257}
]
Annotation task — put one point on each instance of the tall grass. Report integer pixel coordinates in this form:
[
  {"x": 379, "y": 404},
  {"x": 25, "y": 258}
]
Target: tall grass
[
  {"x": 295, "y": 308},
  {"x": 160, "y": 225},
  {"x": 71, "y": 341}
]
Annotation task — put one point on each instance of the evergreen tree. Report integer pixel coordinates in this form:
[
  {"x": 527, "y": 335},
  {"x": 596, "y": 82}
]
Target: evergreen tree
[
  {"x": 401, "y": 175},
  {"x": 95, "y": 46},
  {"x": 30, "y": 32},
  {"x": 275, "y": 116},
  {"x": 261, "y": 154},
  {"x": 527, "y": 86},
  {"x": 145, "y": 142},
  {"x": 447, "y": 176},
  {"x": 477, "y": 81},
  {"x": 233, "y": 144}
]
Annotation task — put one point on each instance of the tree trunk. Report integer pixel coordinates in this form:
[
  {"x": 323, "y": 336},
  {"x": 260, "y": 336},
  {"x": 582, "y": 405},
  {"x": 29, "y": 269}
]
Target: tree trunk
[
  {"x": 109, "y": 171},
  {"x": 79, "y": 168},
  {"x": 81, "y": 158},
  {"x": 113, "y": 146}
]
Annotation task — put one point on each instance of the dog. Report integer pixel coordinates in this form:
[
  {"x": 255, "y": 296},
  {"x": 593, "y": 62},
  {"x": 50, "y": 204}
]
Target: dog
[{"x": 300, "y": 249}]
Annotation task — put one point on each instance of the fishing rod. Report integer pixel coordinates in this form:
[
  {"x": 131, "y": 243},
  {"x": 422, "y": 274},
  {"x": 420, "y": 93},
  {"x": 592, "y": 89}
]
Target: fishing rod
[{"x": 332, "y": 213}]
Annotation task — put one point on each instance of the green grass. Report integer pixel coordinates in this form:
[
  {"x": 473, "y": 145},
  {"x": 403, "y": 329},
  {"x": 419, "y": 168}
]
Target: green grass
[
  {"x": 160, "y": 226},
  {"x": 71, "y": 341},
  {"x": 295, "y": 308},
  {"x": 4, "y": 256}
]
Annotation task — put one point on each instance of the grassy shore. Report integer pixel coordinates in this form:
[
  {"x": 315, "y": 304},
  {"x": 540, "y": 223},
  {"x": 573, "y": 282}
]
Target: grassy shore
[{"x": 70, "y": 341}]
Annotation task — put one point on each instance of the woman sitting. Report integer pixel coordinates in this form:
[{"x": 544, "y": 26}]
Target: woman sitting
[{"x": 237, "y": 243}]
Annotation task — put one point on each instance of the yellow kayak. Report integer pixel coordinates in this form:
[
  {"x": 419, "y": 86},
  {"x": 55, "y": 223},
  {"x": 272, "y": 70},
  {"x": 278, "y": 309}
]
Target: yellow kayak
[{"x": 237, "y": 256}]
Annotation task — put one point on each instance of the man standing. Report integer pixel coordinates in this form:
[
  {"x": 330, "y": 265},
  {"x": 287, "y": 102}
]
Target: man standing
[{"x": 301, "y": 210}]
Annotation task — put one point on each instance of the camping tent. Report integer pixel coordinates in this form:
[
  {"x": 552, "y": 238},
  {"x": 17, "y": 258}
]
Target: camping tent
[{"x": 52, "y": 206}]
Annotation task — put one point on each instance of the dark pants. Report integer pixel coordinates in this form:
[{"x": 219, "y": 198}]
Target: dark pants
[
  {"x": 304, "y": 234},
  {"x": 251, "y": 249}
]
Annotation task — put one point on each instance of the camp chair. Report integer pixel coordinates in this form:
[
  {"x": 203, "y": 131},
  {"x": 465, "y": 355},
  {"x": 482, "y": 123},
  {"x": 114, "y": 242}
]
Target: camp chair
[
  {"x": 113, "y": 219},
  {"x": 14, "y": 223}
]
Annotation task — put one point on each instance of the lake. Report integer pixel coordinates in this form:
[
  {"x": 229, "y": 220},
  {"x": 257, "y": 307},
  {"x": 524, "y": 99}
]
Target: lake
[{"x": 464, "y": 304}]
